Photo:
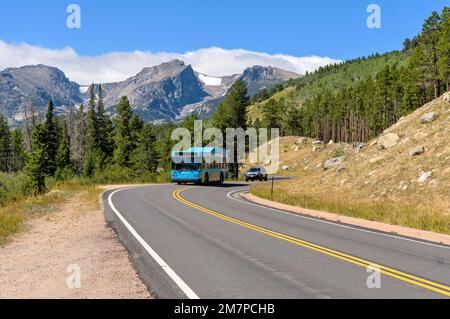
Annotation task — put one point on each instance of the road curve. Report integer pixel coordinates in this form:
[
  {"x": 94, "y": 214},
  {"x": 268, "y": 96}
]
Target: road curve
[{"x": 207, "y": 242}]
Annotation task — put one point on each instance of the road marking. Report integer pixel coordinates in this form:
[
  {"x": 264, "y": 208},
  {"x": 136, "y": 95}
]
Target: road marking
[
  {"x": 169, "y": 271},
  {"x": 230, "y": 195},
  {"x": 421, "y": 282}
]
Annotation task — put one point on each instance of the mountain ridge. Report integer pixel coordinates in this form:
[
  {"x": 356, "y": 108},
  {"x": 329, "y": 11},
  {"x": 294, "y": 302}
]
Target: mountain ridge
[{"x": 163, "y": 93}]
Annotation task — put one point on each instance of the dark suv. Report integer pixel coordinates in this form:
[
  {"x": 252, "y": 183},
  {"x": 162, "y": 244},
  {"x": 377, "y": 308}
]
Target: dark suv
[{"x": 256, "y": 173}]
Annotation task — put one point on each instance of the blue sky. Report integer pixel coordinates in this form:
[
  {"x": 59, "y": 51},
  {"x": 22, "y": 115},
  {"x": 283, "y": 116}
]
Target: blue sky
[
  {"x": 325, "y": 28},
  {"x": 335, "y": 29}
]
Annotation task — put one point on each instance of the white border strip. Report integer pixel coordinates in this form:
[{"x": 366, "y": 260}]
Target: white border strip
[
  {"x": 169, "y": 271},
  {"x": 229, "y": 195}
]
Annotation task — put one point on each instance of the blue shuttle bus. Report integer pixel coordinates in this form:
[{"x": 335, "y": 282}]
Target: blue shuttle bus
[{"x": 199, "y": 165}]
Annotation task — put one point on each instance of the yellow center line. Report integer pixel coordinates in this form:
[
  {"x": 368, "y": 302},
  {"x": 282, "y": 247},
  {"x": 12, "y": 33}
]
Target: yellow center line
[{"x": 415, "y": 280}]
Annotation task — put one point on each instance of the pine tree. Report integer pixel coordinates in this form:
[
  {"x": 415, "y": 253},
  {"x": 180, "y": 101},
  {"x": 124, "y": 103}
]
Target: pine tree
[
  {"x": 271, "y": 113},
  {"x": 136, "y": 126},
  {"x": 443, "y": 48},
  {"x": 233, "y": 114},
  {"x": 37, "y": 164},
  {"x": 123, "y": 134},
  {"x": 31, "y": 118},
  {"x": 18, "y": 151},
  {"x": 105, "y": 128},
  {"x": 90, "y": 162},
  {"x": 78, "y": 140},
  {"x": 429, "y": 42},
  {"x": 51, "y": 140},
  {"x": 146, "y": 157},
  {"x": 63, "y": 164},
  {"x": 5, "y": 145},
  {"x": 91, "y": 139}
]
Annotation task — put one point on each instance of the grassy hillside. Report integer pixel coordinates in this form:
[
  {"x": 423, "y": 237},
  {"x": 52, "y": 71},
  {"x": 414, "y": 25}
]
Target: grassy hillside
[
  {"x": 376, "y": 184},
  {"x": 333, "y": 78},
  {"x": 254, "y": 111}
]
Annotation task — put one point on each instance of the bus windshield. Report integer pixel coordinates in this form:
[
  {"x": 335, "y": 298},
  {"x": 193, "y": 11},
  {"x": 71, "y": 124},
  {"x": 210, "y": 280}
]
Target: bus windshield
[{"x": 186, "y": 167}]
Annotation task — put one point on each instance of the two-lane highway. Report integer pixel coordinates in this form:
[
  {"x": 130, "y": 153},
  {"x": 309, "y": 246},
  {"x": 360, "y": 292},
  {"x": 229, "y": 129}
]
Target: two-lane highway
[{"x": 207, "y": 242}]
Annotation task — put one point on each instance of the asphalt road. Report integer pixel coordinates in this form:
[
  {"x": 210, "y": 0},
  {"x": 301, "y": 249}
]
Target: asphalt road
[{"x": 207, "y": 242}]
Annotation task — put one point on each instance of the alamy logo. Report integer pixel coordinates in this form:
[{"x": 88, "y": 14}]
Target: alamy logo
[
  {"x": 74, "y": 19},
  {"x": 374, "y": 19},
  {"x": 374, "y": 279},
  {"x": 73, "y": 281}
]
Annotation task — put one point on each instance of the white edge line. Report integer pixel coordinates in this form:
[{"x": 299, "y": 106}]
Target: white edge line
[
  {"x": 332, "y": 223},
  {"x": 169, "y": 271}
]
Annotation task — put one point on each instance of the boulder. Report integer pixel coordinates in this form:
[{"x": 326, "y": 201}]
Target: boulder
[
  {"x": 317, "y": 142},
  {"x": 334, "y": 162},
  {"x": 331, "y": 142},
  {"x": 447, "y": 97},
  {"x": 424, "y": 177},
  {"x": 302, "y": 141},
  {"x": 416, "y": 151},
  {"x": 359, "y": 147},
  {"x": 429, "y": 117},
  {"x": 388, "y": 141},
  {"x": 285, "y": 168}
]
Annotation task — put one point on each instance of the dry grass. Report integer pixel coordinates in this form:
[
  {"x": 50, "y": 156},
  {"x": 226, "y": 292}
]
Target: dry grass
[
  {"x": 408, "y": 214},
  {"x": 379, "y": 185},
  {"x": 14, "y": 216}
]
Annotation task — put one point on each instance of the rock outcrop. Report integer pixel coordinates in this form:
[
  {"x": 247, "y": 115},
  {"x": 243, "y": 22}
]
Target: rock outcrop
[
  {"x": 388, "y": 140},
  {"x": 429, "y": 117},
  {"x": 334, "y": 162},
  {"x": 416, "y": 151}
]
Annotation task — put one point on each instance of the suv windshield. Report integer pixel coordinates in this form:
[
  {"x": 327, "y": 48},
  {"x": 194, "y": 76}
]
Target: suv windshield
[{"x": 254, "y": 170}]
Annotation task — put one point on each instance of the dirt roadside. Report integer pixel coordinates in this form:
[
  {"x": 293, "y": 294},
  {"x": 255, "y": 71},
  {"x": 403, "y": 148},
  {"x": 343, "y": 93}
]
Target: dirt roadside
[{"x": 39, "y": 262}]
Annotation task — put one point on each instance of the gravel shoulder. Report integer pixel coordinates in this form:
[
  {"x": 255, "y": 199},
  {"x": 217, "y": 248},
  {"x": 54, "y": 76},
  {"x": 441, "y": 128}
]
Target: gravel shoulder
[{"x": 38, "y": 262}]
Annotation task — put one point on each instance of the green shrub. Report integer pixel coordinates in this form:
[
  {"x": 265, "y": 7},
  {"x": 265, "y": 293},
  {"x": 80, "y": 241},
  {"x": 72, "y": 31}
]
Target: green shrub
[
  {"x": 13, "y": 187},
  {"x": 338, "y": 152}
]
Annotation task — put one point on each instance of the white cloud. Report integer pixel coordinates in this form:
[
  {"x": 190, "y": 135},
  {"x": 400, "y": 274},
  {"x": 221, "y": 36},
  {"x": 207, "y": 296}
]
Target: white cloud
[{"x": 117, "y": 66}]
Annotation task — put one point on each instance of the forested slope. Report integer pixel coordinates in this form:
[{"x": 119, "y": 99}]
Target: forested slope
[{"x": 356, "y": 100}]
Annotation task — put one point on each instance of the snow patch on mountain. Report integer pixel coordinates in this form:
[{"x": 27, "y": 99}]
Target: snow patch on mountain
[{"x": 209, "y": 80}]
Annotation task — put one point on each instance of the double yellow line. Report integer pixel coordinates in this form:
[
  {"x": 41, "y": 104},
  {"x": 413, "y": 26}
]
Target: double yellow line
[{"x": 421, "y": 282}]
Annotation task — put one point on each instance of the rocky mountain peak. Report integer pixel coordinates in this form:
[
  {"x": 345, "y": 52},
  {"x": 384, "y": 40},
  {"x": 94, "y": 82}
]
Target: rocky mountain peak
[
  {"x": 160, "y": 72},
  {"x": 35, "y": 84},
  {"x": 262, "y": 73}
]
